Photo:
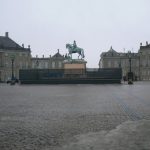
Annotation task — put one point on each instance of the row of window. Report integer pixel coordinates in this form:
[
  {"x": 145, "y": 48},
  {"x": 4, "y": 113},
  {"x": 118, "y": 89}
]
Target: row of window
[
  {"x": 20, "y": 54},
  {"x": 122, "y": 63},
  {"x": 145, "y": 72},
  {"x": 22, "y": 65},
  {"x": 45, "y": 64},
  {"x": 144, "y": 63}
]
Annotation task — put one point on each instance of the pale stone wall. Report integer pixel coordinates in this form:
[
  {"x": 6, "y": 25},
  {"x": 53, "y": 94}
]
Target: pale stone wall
[
  {"x": 46, "y": 63},
  {"x": 140, "y": 62},
  {"x": 21, "y": 61},
  {"x": 56, "y": 63},
  {"x": 145, "y": 62},
  {"x": 112, "y": 59},
  {"x": 40, "y": 63}
]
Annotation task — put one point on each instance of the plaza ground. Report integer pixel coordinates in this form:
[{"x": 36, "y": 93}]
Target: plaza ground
[{"x": 75, "y": 117}]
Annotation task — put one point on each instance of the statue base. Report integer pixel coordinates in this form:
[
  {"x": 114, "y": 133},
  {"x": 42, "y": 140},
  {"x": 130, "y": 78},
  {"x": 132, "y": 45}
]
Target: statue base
[{"x": 74, "y": 67}]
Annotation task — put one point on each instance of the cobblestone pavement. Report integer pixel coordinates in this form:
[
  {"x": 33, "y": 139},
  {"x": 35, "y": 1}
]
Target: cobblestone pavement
[{"x": 47, "y": 117}]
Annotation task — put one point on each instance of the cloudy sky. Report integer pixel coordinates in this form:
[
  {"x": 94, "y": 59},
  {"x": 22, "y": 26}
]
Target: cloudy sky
[{"x": 47, "y": 25}]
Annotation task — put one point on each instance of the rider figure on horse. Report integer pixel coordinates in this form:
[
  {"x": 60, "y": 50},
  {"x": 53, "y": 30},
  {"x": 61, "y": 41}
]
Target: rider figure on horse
[{"x": 74, "y": 44}]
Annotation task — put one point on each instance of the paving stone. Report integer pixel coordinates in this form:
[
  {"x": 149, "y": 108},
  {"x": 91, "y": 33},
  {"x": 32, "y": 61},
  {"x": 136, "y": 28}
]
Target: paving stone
[{"x": 44, "y": 117}]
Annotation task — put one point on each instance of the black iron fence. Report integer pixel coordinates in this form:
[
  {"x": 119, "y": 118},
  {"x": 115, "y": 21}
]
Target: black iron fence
[{"x": 41, "y": 74}]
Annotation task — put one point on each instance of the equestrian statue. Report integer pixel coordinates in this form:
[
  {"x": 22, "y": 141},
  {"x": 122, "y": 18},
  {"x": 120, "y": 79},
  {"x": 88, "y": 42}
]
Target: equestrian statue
[{"x": 72, "y": 48}]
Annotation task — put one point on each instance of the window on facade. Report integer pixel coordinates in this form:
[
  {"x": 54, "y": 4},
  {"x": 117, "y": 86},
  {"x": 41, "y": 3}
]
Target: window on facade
[
  {"x": 20, "y": 64},
  {"x": 116, "y": 64},
  {"x": 46, "y": 64},
  {"x": 33, "y": 65},
  {"x": 6, "y": 64},
  {"x": 112, "y": 64},
  {"x": 109, "y": 64},
  {"x": 23, "y": 54},
  {"x": 40, "y": 65},
  {"x": 59, "y": 64},
  {"x": 122, "y": 63},
  {"x": 144, "y": 63},
  {"x": 23, "y": 65},
  {"x": 26, "y": 64},
  {"x": 53, "y": 64},
  {"x": 43, "y": 64},
  {"x": 6, "y": 54},
  {"x": 137, "y": 63}
]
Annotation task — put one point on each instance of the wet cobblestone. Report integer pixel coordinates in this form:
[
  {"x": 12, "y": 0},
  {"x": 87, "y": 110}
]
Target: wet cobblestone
[{"x": 44, "y": 117}]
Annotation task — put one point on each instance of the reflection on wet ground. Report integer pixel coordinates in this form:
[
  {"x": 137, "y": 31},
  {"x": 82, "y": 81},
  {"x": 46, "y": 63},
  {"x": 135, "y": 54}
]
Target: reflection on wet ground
[{"x": 43, "y": 117}]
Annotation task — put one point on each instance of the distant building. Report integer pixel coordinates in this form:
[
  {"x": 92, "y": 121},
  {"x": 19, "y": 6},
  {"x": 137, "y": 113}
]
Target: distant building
[
  {"x": 39, "y": 63},
  {"x": 11, "y": 50},
  {"x": 52, "y": 62},
  {"x": 140, "y": 62},
  {"x": 144, "y": 62},
  {"x": 56, "y": 61}
]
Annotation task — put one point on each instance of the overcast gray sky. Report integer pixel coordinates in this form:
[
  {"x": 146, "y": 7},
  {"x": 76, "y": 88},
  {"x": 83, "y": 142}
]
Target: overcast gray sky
[{"x": 95, "y": 25}]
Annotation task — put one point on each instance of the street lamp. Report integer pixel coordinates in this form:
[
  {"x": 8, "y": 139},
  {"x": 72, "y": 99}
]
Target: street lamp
[
  {"x": 37, "y": 64},
  {"x": 130, "y": 74},
  {"x": 120, "y": 63},
  {"x": 12, "y": 69}
]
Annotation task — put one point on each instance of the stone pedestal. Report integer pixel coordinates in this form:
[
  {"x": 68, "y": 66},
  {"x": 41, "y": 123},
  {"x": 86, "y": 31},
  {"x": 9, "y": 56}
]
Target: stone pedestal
[{"x": 74, "y": 68}]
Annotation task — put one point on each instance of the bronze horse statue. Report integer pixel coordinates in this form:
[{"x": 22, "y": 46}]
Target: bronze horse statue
[{"x": 74, "y": 49}]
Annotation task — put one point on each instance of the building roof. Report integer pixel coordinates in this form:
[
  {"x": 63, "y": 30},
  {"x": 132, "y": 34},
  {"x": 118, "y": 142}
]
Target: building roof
[
  {"x": 147, "y": 46},
  {"x": 8, "y": 43},
  {"x": 57, "y": 55},
  {"x": 111, "y": 50}
]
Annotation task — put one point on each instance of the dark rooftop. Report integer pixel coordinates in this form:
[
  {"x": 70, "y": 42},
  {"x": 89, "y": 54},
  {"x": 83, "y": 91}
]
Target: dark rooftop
[
  {"x": 58, "y": 55},
  {"x": 8, "y": 43}
]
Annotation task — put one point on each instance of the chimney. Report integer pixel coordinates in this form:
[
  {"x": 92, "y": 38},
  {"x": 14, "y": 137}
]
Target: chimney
[
  {"x": 146, "y": 43},
  {"x": 6, "y": 34},
  {"x": 36, "y": 56},
  {"x": 28, "y": 46},
  {"x": 58, "y": 50},
  {"x": 140, "y": 44},
  {"x": 23, "y": 45},
  {"x": 43, "y": 56}
]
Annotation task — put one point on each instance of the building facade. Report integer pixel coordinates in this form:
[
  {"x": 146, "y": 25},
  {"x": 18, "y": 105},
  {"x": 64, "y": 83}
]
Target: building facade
[
  {"x": 53, "y": 62},
  {"x": 140, "y": 62},
  {"x": 144, "y": 61},
  {"x": 20, "y": 57},
  {"x": 16, "y": 57},
  {"x": 11, "y": 52}
]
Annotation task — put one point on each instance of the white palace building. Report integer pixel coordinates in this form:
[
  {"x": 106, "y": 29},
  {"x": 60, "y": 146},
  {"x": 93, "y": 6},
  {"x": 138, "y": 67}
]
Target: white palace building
[{"x": 140, "y": 62}]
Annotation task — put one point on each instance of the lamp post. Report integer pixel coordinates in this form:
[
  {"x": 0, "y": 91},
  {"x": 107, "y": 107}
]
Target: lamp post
[
  {"x": 37, "y": 64},
  {"x": 120, "y": 63},
  {"x": 130, "y": 74},
  {"x": 12, "y": 69},
  {"x": 140, "y": 54}
]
